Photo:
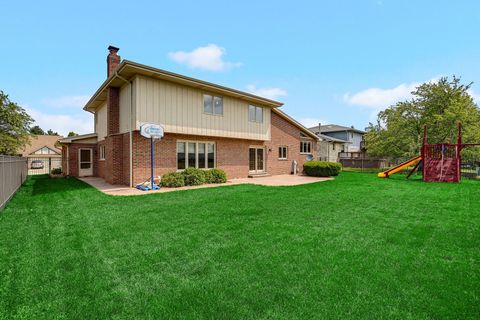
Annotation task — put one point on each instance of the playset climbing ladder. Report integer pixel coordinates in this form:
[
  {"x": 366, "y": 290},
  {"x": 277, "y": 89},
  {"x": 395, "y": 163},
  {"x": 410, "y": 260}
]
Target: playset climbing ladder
[{"x": 441, "y": 161}]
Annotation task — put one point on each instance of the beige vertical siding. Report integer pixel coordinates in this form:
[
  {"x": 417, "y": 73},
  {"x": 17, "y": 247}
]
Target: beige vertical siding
[
  {"x": 101, "y": 122},
  {"x": 326, "y": 151},
  {"x": 180, "y": 109},
  {"x": 125, "y": 108}
]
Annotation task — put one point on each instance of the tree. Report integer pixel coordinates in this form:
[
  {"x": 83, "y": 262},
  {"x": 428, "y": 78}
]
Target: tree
[
  {"x": 440, "y": 105},
  {"x": 36, "y": 130},
  {"x": 50, "y": 132},
  {"x": 72, "y": 134},
  {"x": 14, "y": 126}
]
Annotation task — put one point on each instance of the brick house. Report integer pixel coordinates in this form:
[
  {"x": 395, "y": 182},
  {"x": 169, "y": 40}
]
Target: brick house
[{"x": 206, "y": 126}]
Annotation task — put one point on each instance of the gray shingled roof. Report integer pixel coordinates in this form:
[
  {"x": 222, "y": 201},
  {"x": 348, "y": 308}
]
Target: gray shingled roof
[
  {"x": 331, "y": 139},
  {"x": 334, "y": 128}
]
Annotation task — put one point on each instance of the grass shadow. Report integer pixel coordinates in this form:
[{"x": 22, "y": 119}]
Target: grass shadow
[{"x": 43, "y": 184}]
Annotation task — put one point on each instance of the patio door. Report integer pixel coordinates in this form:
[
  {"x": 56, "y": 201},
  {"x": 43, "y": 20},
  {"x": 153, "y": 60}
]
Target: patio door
[
  {"x": 85, "y": 165},
  {"x": 256, "y": 161}
]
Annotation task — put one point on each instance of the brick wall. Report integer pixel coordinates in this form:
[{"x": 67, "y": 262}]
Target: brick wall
[
  {"x": 113, "y": 110},
  {"x": 232, "y": 154},
  {"x": 73, "y": 157},
  {"x": 126, "y": 158},
  {"x": 114, "y": 164},
  {"x": 285, "y": 134}
]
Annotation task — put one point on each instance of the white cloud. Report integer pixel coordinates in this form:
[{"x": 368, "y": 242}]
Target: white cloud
[
  {"x": 269, "y": 93},
  {"x": 312, "y": 122},
  {"x": 475, "y": 96},
  {"x": 62, "y": 123},
  {"x": 210, "y": 58},
  {"x": 377, "y": 98},
  {"x": 67, "y": 101}
]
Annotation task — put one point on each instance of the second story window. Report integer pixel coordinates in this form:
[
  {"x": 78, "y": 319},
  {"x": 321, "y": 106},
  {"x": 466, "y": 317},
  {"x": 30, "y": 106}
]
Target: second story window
[
  {"x": 212, "y": 104},
  {"x": 255, "y": 114}
]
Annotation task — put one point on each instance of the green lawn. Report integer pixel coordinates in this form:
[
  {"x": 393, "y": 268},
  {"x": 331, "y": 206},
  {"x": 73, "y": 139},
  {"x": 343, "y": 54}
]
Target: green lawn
[{"x": 356, "y": 247}]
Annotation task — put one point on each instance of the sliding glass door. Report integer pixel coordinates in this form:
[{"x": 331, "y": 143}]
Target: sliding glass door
[{"x": 256, "y": 161}]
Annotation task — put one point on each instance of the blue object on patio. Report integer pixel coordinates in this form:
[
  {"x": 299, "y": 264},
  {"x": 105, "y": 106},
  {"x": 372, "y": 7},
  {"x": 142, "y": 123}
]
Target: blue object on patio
[{"x": 147, "y": 187}]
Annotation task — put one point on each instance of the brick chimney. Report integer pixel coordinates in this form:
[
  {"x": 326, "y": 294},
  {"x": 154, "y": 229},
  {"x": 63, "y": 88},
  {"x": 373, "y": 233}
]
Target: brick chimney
[
  {"x": 113, "y": 60},
  {"x": 113, "y": 171}
]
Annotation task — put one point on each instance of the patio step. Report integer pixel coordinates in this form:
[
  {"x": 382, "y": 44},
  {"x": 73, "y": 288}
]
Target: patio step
[{"x": 258, "y": 175}]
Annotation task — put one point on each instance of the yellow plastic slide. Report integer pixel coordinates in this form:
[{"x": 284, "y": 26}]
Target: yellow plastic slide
[{"x": 400, "y": 167}]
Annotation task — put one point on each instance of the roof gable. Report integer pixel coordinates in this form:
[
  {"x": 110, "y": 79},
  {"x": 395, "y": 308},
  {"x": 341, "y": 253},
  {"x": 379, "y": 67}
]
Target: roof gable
[
  {"x": 37, "y": 142},
  {"x": 129, "y": 69},
  {"x": 45, "y": 150}
]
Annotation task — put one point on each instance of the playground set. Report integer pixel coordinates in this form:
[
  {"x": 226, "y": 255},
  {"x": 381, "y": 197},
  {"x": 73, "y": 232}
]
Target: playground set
[{"x": 441, "y": 161}]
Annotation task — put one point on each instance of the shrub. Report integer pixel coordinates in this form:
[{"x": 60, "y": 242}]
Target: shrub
[
  {"x": 172, "y": 180},
  {"x": 193, "y": 176},
  {"x": 317, "y": 168},
  {"x": 215, "y": 176},
  {"x": 56, "y": 171}
]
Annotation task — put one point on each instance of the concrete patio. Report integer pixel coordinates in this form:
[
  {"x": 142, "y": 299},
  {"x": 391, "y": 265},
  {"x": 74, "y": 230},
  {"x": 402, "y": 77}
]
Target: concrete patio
[{"x": 274, "y": 181}]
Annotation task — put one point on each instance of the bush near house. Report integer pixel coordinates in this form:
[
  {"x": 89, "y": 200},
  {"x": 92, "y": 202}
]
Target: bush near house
[
  {"x": 193, "y": 176},
  {"x": 56, "y": 171},
  {"x": 317, "y": 168},
  {"x": 173, "y": 180},
  {"x": 215, "y": 176}
]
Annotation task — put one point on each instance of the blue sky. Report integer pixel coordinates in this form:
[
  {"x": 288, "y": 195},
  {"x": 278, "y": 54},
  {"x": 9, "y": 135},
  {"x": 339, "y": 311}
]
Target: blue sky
[{"x": 328, "y": 61}]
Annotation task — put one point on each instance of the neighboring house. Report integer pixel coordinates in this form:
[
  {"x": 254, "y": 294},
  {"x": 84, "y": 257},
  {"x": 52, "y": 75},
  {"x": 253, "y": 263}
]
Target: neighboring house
[
  {"x": 329, "y": 147},
  {"x": 206, "y": 126},
  {"x": 43, "y": 151},
  {"x": 353, "y": 136}
]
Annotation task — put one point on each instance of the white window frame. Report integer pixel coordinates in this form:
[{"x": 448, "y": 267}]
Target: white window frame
[
  {"x": 282, "y": 156},
  {"x": 303, "y": 148},
  {"x": 255, "y": 114},
  {"x": 101, "y": 152},
  {"x": 264, "y": 165},
  {"x": 196, "y": 153},
  {"x": 213, "y": 104},
  {"x": 80, "y": 172}
]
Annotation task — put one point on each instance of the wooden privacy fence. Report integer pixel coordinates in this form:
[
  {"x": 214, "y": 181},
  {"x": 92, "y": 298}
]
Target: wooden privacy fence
[{"x": 13, "y": 172}]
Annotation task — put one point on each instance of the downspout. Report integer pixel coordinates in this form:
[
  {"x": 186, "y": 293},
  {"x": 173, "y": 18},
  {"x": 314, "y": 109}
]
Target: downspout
[{"x": 129, "y": 126}]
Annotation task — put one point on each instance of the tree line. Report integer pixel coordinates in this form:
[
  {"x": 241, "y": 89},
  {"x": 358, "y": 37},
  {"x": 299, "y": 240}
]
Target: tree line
[
  {"x": 439, "y": 105},
  {"x": 16, "y": 126}
]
